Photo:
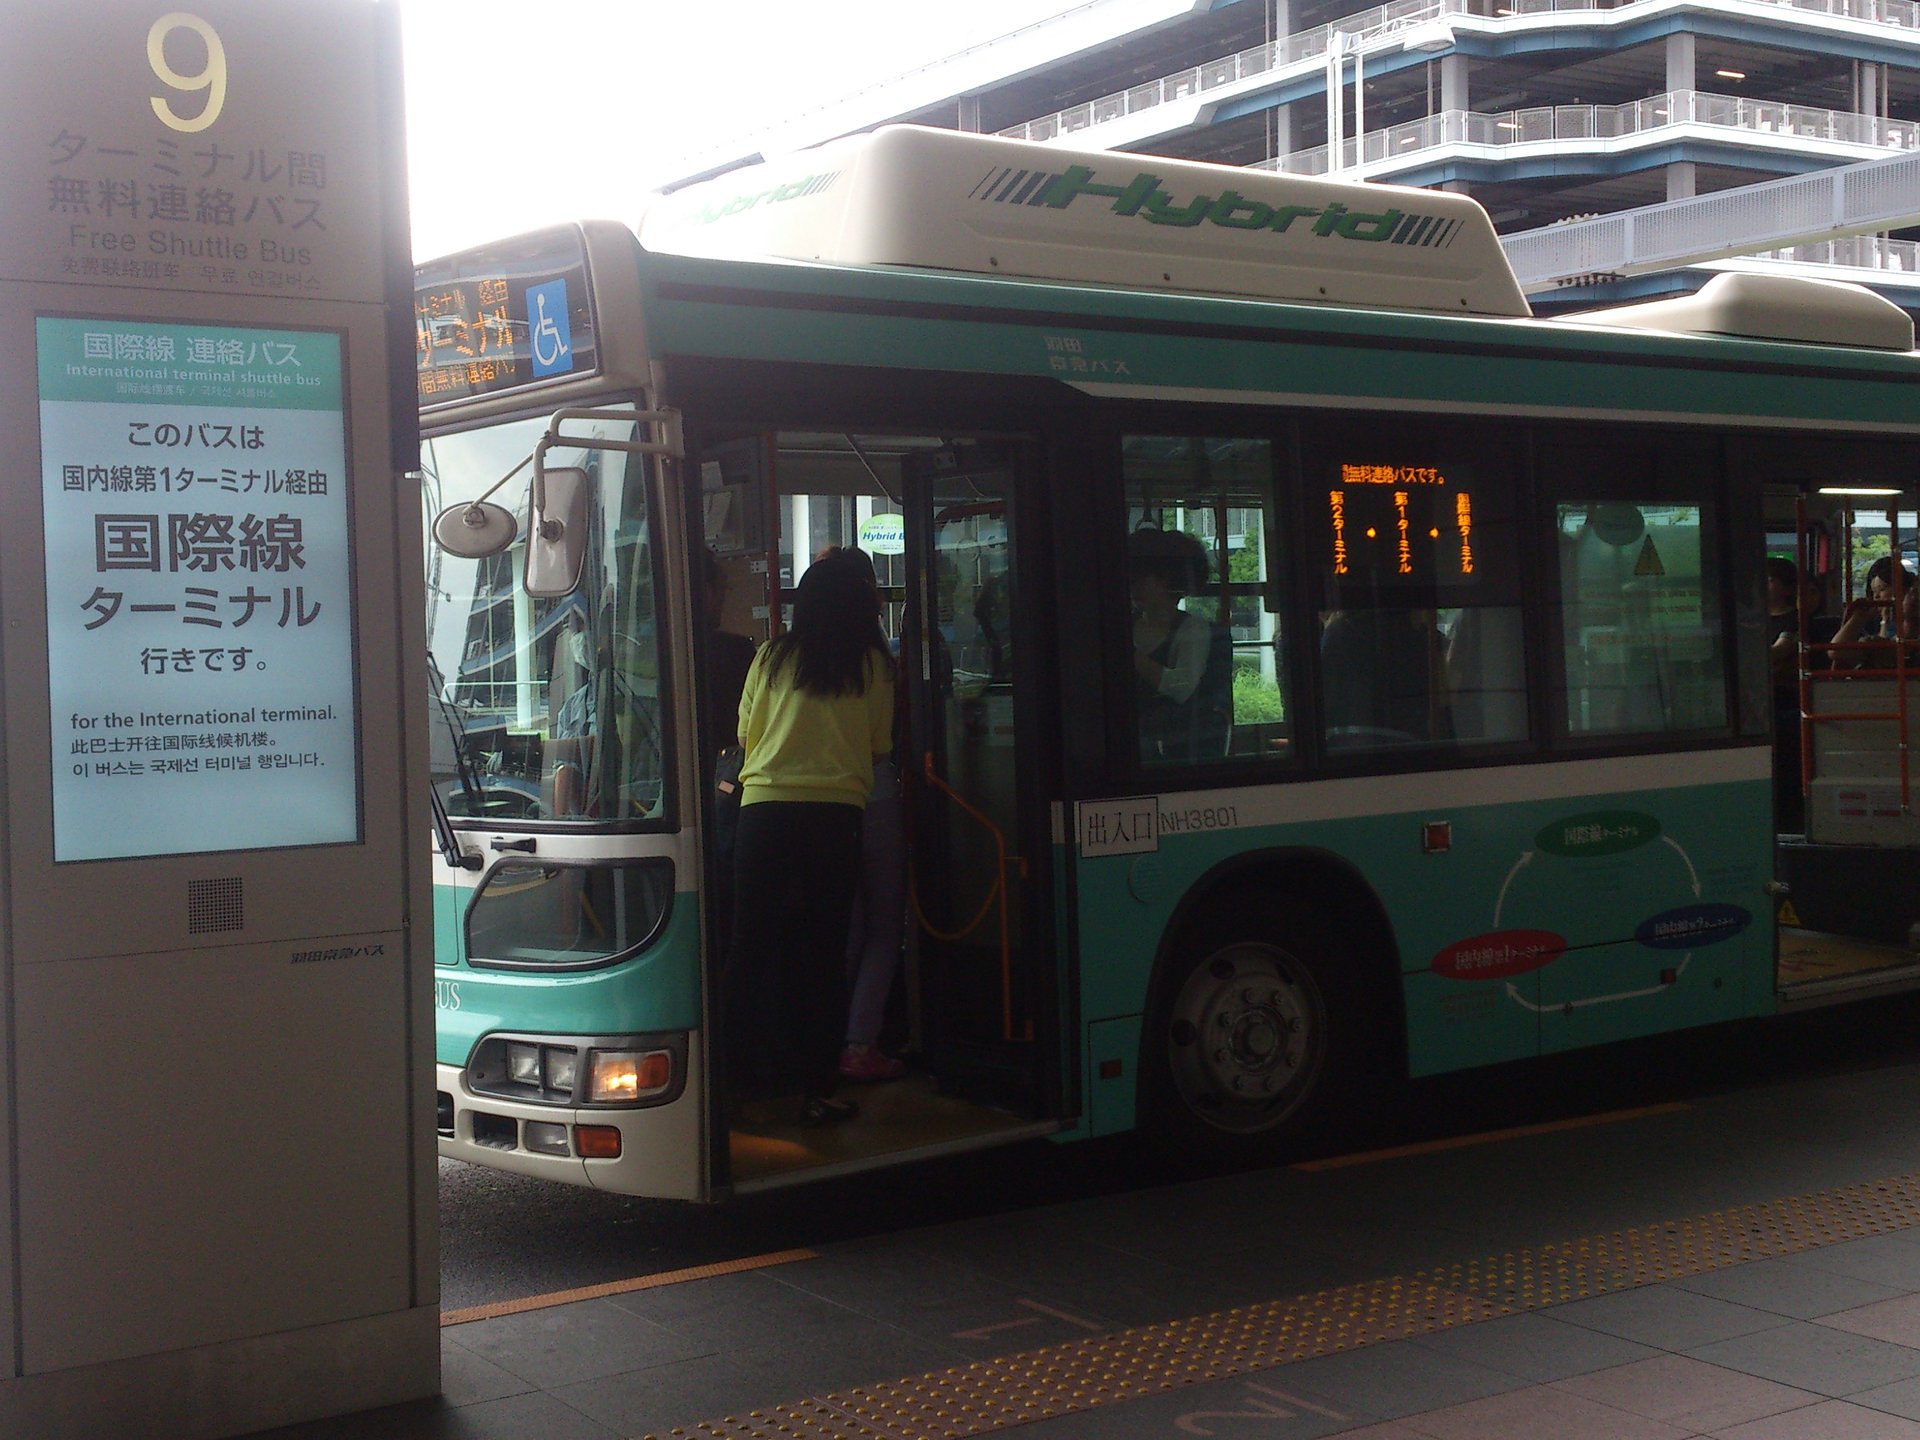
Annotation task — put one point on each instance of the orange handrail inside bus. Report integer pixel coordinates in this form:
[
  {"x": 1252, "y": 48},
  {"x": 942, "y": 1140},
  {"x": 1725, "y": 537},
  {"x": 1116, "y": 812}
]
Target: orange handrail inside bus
[{"x": 996, "y": 892}]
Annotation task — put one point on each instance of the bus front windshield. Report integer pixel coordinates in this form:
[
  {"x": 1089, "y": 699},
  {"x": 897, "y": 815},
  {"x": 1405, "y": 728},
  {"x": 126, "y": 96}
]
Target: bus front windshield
[{"x": 545, "y": 708}]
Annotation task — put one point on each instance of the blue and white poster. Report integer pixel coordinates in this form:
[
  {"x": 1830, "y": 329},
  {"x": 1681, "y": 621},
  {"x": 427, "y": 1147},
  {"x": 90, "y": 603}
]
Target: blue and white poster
[{"x": 199, "y": 588}]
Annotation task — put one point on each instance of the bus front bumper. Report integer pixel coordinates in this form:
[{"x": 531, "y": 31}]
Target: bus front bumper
[{"x": 659, "y": 1150}]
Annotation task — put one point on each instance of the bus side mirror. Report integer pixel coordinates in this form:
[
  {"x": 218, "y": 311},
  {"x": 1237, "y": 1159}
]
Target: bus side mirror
[
  {"x": 476, "y": 530},
  {"x": 557, "y": 531}
]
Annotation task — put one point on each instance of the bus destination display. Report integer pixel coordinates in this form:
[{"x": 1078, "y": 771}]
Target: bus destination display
[
  {"x": 1407, "y": 522},
  {"x": 499, "y": 321},
  {"x": 199, "y": 588}
]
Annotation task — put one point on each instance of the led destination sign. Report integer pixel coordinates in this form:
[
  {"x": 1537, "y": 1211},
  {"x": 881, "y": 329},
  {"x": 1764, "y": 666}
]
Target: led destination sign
[
  {"x": 495, "y": 319},
  {"x": 1408, "y": 521}
]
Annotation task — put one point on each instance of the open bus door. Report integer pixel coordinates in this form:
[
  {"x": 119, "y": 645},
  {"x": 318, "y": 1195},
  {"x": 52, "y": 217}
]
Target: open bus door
[
  {"x": 976, "y": 981},
  {"x": 976, "y": 820},
  {"x": 1849, "y": 847}
]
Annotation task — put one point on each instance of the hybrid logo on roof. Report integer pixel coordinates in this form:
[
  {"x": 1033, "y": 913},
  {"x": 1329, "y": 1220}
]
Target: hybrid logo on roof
[
  {"x": 1143, "y": 197},
  {"x": 794, "y": 190}
]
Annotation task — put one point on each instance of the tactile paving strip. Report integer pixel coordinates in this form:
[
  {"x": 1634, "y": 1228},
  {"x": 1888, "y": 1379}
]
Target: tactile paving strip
[{"x": 1128, "y": 1364}]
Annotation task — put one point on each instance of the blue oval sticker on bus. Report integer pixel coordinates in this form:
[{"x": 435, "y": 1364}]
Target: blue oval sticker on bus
[
  {"x": 1691, "y": 926},
  {"x": 1598, "y": 832},
  {"x": 1497, "y": 955}
]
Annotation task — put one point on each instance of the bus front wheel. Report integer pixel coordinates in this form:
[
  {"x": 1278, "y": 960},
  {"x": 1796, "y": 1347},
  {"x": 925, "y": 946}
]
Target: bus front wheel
[{"x": 1260, "y": 1041}]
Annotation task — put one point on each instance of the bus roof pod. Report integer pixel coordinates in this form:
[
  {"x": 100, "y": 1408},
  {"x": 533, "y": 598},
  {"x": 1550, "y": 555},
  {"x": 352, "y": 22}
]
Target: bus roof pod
[
  {"x": 1770, "y": 307},
  {"x": 910, "y": 195}
]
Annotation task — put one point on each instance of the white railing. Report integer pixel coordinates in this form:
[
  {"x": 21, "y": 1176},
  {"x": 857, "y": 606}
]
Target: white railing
[
  {"x": 1401, "y": 143},
  {"x": 1857, "y": 252},
  {"x": 1370, "y": 25},
  {"x": 1827, "y": 213},
  {"x": 1371, "y": 28}
]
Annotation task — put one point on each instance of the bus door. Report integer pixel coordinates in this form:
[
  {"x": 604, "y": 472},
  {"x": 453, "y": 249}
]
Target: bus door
[{"x": 974, "y": 817}]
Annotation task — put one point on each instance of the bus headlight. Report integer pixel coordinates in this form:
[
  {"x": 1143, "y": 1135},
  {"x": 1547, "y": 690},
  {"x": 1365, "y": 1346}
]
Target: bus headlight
[
  {"x": 523, "y": 1064},
  {"x": 614, "y": 1076},
  {"x": 549, "y": 1071},
  {"x": 617, "y": 1069}
]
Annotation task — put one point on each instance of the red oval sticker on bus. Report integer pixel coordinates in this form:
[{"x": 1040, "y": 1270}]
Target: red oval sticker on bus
[{"x": 1497, "y": 955}]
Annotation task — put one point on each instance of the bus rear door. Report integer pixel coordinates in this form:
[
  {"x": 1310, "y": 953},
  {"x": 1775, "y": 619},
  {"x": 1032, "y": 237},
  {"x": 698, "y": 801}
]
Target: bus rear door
[{"x": 976, "y": 817}]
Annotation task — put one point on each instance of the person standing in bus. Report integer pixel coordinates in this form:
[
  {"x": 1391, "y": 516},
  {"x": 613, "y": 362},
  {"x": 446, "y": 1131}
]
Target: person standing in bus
[
  {"x": 729, "y": 656},
  {"x": 816, "y": 713}
]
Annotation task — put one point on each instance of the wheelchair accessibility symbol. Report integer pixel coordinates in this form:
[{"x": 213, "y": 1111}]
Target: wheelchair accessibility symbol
[{"x": 549, "y": 331}]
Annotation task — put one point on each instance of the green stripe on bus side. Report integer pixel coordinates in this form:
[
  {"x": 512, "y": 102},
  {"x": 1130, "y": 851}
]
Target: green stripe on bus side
[
  {"x": 1343, "y": 354},
  {"x": 656, "y": 990},
  {"x": 1339, "y": 373},
  {"x": 1010, "y": 302},
  {"x": 1712, "y": 849}
]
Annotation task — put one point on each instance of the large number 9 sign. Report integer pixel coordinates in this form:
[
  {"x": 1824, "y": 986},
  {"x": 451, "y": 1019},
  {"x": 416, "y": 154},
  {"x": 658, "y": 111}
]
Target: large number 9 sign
[{"x": 212, "y": 79}]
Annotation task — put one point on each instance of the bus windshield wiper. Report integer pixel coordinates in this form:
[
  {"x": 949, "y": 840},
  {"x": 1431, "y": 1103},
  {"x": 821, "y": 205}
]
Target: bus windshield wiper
[{"x": 443, "y": 829}]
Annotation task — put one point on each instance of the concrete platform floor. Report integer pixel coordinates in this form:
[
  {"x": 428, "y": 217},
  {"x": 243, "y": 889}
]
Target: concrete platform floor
[{"x": 1744, "y": 1266}]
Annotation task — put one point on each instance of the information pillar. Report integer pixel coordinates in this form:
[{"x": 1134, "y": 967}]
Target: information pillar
[{"x": 217, "y": 1184}]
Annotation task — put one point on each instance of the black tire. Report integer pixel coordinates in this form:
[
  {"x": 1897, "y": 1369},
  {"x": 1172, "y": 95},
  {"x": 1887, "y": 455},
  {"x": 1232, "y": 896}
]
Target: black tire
[{"x": 1294, "y": 1035}]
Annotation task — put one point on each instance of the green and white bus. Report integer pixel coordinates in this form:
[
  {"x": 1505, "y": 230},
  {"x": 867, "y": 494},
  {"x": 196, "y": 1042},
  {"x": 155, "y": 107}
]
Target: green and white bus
[{"x": 1477, "y": 766}]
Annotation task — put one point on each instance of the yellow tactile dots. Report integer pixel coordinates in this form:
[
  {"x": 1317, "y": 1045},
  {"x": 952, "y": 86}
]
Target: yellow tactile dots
[{"x": 1128, "y": 1364}]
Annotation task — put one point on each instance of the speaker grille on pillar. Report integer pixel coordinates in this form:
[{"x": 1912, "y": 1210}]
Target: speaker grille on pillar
[{"x": 215, "y": 905}]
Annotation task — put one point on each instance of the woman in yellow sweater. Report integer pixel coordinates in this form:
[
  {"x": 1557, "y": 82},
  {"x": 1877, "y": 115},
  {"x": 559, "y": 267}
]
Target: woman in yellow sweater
[{"x": 815, "y": 714}]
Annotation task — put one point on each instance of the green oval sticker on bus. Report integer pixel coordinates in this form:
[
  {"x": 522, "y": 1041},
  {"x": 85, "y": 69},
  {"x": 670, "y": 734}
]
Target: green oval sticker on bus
[{"x": 1599, "y": 832}]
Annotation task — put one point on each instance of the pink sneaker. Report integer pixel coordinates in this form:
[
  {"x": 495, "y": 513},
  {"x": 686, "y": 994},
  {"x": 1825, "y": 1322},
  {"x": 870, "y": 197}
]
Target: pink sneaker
[{"x": 866, "y": 1063}]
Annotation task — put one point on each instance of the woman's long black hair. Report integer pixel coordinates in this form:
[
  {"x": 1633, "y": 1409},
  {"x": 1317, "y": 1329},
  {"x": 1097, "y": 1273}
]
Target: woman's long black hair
[{"x": 836, "y": 622}]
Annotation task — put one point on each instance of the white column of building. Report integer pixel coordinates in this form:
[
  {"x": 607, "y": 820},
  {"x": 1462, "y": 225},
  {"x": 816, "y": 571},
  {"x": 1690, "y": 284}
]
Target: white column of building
[
  {"x": 1680, "y": 85},
  {"x": 1336, "y": 101},
  {"x": 1454, "y": 104},
  {"x": 1870, "y": 98},
  {"x": 1280, "y": 123},
  {"x": 1870, "y": 94}
]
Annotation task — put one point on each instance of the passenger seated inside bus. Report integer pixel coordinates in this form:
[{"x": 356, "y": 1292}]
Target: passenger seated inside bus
[
  {"x": 1869, "y": 619},
  {"x": 1182, "y": 663},
  {"x": 1384, "y": 678},
  {"x": 1881, "y": 588}
]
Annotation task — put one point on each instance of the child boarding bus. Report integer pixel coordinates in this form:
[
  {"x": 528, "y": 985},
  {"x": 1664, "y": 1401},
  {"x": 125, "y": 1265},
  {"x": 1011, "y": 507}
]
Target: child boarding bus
[{"x": 1315, "y": 669}]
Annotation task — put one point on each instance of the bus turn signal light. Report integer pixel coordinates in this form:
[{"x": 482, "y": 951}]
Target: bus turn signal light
[
  {"x": 596, "y": 1142},
  {"x": 616, "y": 1075}
]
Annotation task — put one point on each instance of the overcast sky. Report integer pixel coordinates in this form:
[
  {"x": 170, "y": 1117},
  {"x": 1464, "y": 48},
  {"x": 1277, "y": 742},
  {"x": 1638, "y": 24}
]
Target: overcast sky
[{"x": 525, "y": 112}]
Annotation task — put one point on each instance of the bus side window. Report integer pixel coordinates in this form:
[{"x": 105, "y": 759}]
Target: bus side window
[
  {"x": 1486, "y": 675},
  {"x": 1640, "y": 606},
  {"x": 1205, "y": 653},
  {"x": 1421, "y": 640},
  {"x": 1383, "y": 677}
]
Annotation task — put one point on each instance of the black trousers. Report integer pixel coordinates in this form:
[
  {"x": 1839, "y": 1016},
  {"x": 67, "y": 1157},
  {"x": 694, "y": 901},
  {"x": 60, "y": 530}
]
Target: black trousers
[{"x": 796, "y": 868}]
